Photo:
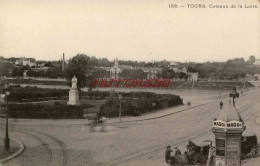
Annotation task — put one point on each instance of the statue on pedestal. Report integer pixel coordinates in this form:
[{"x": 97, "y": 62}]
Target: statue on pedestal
[
  {"x": 74, "y": 93},
  {"x": 74, "y": 82}
]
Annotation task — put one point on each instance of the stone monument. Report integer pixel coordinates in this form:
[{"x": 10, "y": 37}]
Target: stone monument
[{"x": 74, "y": 93}]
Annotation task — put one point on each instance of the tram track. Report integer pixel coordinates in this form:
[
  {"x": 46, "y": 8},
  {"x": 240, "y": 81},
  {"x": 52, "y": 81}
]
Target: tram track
[
  {"x": 137, "y": 154},
  {"x": 133, "y": 155},
  {"x": 62, "y": 145},
  {"x": 38, "y": 137},
  {"x": 40, "y": 140}
]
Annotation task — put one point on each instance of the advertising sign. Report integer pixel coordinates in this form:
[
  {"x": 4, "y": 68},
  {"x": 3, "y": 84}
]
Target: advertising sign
[
  {"x": 232, "y": 146},
  {"x": 228, "y": 125},
  {"x": 219, "y": 124},
  {"x": 220, "y": 147},
  {"x": 232, "y": 162}
]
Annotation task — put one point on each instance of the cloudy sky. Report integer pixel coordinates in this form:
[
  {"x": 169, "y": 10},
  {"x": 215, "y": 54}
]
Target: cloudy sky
[{"x": 128, "y": 29}]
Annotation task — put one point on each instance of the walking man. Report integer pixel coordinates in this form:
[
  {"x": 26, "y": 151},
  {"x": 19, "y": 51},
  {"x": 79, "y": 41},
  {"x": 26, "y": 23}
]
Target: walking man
[
  {"x": 221, "y": 104},
  {"x": 189, "y": 104}
]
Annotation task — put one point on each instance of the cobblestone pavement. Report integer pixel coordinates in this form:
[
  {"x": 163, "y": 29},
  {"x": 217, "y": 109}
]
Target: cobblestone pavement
[{"x": 128, "y": 143}]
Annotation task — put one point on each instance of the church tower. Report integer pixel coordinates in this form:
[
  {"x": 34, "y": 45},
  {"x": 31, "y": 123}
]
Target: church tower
[{"x": 116, "y": 62}]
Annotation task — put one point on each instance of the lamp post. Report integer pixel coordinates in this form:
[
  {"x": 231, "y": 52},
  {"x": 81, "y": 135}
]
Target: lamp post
[
  {"x": 7, "y": 140},
  {"x": 120, "y": 109}
]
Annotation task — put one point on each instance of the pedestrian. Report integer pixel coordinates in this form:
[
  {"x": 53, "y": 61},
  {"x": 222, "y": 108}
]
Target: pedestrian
[
  {"x": 221, "y": 104},
  {"x": 168, "y": 155},
  {"x": 210, "y": 155},
  {"x": 177, "y": 152},
  {"x": 93, "y": 124},
  {"x": 189, "y": 104},
  {"x": 103, "y": 125}
]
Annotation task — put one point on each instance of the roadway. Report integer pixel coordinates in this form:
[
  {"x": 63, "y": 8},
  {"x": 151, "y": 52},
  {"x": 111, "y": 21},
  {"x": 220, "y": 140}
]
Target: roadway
[{"x": 127, "y": 143}]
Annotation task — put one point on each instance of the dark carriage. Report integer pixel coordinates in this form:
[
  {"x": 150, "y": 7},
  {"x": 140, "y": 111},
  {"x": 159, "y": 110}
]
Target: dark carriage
[
  {"x": 249, "y": 145},
  {"x": 197, "y": 152}
]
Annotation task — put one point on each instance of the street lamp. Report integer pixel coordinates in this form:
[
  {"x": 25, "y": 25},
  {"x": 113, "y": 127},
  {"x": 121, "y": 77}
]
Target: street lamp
[
  {"x": 120, "y": 109},
  {"x": 7, "y": 140}
]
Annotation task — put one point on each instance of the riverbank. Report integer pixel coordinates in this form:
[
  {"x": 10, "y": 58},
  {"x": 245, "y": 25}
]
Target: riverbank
[{"x": 63, "y": 84}]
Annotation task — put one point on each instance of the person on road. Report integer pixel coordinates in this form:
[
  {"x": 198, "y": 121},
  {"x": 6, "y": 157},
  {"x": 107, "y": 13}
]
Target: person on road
[
  {"x": 189, "y": 104},
  {"x": 221, "y": 104},
  {"x": 168, "y": 155},
  {"x": 93, "y": 124},
  {"x": 103, "y": 121}
]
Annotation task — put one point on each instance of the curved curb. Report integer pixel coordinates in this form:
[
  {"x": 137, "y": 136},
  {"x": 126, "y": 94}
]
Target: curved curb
[
  {"x": 161, "y": 116},
  {"x": 22, "y": 147}
]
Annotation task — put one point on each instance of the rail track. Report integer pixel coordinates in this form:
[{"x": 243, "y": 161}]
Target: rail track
[{"x": 245, "y": 110}]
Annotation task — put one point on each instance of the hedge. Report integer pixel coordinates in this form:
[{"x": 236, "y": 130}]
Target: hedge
[
  {"x": 32, "y": 111},
  {"x": 147, "y": 102}
]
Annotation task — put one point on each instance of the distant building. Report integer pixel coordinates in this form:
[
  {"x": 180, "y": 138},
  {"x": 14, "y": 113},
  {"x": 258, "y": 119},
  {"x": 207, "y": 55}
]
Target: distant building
[
  {"x": 152, "y": 72},
  {"x": 174, "y": 66},
  {"x": 116, "y": 69},
  {"x": 182, "y": 70},
  {"x": 193, "y": 76},
  {"x": 26, "y": 62},
  {"x": 257, "y": 62}
]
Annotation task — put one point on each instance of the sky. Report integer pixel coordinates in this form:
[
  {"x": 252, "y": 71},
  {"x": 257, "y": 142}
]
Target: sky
[{"x": 141, "y": 30}]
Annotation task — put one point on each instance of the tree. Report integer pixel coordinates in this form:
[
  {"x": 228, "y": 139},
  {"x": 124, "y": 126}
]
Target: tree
[
  {"x": 192, "y": 69},
  {"x": 78, "y": 66},
  {"x": 133, "y": 74},
  {"x": 167, "y": 73},
  {"x": 251, "y": 59},
  {"x": 18, "y": 71},
  {"x": 48, "y": 64},
  {"x": 5, "y": 69},
  {"x": 183, "y": 75},
  {"x": 55, "y": 72}
]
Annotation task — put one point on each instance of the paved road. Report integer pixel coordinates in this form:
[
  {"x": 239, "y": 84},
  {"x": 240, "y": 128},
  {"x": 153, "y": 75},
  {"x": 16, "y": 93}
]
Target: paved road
[{"x": 128, "y": 143}]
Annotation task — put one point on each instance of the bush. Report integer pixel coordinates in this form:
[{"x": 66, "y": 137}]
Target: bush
[
  {"x": 33, "y": 111},
  {"x": 146, "y": 102},
  {"x": 18, "y": 93}
]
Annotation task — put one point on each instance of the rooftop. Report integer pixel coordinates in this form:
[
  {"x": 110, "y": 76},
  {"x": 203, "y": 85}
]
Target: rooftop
[{"x": 229, "y": 114}]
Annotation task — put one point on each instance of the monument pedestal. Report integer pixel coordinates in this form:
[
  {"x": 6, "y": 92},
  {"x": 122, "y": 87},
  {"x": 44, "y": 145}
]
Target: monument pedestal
[{"x": 73, "y": 97}]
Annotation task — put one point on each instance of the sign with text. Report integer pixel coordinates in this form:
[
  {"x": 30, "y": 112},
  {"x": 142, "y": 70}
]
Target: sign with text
[
  {"x": 219, "y": 124},
  {"x": 228, "y": 125},
  {"x": 232, "y": 162},
  {"x": 232, "y": 146},
  {"x": 234, "y": 124},
  {"x": 220, "y": 147}
]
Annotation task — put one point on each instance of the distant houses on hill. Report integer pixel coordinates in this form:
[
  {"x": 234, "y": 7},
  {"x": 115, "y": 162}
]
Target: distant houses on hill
[
  {"x": 26, "y": 62},
  {"x": 151, "y": 72}
]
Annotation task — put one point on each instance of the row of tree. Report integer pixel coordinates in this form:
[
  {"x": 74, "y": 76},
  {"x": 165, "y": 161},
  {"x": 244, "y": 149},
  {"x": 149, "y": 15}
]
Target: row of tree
[
  {"x": 231, "y": 69},
  {"x": 85, "y": 69}
]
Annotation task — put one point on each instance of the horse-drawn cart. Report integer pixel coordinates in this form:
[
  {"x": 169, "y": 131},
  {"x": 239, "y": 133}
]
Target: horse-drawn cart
[{"x": 196, "y": 152}]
